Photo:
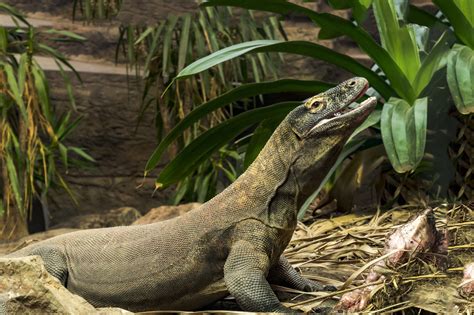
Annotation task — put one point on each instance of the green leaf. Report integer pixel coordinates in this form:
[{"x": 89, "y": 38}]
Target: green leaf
[
  {"x": 242, "y": 92},
  {"x": 13, "y": 84},
  {"x": 167, "y": 47},
  {"x": 465, "y": 77},
  {"x": 67, "y": 34},
  {"x": 397, "y": 78},
  {"x": 3, "y": 40},
  {"x": 82, "y": 154},
  {"x": 63, "y": 154},
  {"x": 431, "y": 64},
  {"x": 418, "y": 16},
  {"x": 400, "y": 42},
  {"x": 14, "y": 182},
  {"x": 259, "y": 138},
  {"x": 223, "y": 55},
  {"x": 297, "y": 47},
  {"x": 41, "y": 85},
  {"x": 419, "y": 111},
  {"x": 359, "y": 10},
  {"x": 59, "y": 58},
  {"x": 453, "y": 82},
  {"x": 202, "y": 147},
  {"x": 463, "y": 29},
  {"x": 373, "y": 119},
  {"x": 184, "y": 41},
  {"x": 466, "y": 7},
  {"x": 404, "y": 132}
]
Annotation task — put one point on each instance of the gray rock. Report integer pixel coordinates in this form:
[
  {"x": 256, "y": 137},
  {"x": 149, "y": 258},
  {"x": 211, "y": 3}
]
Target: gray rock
[{"x": 27, "y": 288}]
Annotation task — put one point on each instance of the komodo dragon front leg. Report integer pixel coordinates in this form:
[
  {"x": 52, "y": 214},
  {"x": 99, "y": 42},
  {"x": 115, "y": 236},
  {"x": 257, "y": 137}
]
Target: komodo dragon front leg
[{"x": 245, "y": 273}]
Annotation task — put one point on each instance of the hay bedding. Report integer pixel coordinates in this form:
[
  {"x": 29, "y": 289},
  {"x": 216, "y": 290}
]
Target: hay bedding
[{"x": 342, "y": 250}]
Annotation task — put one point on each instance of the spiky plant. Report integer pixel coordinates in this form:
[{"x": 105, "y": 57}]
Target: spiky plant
[
  {"x": 31, "y": 134},
  {"x": 161, "y": 51}
]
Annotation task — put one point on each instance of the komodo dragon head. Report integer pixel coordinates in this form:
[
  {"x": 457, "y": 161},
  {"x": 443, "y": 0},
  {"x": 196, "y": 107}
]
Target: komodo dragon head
[{"x": 321, "y": 127}]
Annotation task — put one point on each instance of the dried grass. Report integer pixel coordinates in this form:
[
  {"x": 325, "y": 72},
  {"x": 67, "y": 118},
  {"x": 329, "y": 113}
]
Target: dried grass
[{"x": 340, "y": 251}]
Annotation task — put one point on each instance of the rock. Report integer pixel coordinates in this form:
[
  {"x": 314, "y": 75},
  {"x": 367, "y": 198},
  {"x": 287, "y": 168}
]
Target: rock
[
  {"x": 27, "y": 288},
  {"x": 165, "y": 212},
  {"x": 114, "y": 217}
]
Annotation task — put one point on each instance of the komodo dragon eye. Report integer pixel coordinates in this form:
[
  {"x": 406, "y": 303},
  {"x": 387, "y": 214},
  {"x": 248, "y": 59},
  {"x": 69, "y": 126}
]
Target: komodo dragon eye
[{"x": 315, "y": 106}]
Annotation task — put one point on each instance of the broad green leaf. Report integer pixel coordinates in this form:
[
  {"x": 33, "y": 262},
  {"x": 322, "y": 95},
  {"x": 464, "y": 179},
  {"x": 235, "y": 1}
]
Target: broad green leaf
[
  {"x": 404, "y": 132},
  {"x": 399, "y": 131},
  {"x": 462, "y": 27},
  {"x": 466, "y": 7},
  {"x": 399, "y": 81},
  {"x": 420, "y": 113},
  {"x": 223, "y": 55},
  {"x": 296, "y": 47},
  {"x": 431, "y": 64},
  {"x": 453, "y": 82},
  {"x": 360, "y": 10},
  {"x": 418, "y": 16},
  {"x": 203, "y": 147},
  {"x": 242, "y": 92},
  {"x": 400, "y": 42},
  {"x": 387, "y": 136},
  {"x": 465, "y": 80}
]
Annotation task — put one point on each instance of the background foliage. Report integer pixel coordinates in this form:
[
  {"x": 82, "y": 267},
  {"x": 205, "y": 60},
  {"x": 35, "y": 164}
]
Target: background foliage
[
  {"x": 407, "y": 55},
  {"x": 32, "y": 135},
  {"x": 161, "y": 51}
]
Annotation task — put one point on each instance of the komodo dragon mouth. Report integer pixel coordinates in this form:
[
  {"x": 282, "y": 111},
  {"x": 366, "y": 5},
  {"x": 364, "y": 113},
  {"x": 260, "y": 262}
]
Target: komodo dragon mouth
[{"x": 346, "y": 111}]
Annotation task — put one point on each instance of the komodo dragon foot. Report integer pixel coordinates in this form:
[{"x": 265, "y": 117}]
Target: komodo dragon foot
[{"x": 284, "y": 274}]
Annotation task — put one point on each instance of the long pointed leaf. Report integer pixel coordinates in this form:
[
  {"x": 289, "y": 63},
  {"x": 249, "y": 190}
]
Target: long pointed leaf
[
  {"x": 296, "y": 47},
  {"x": 202, "y": 147},
  {"x": 236, "y": 94},
  {"x": 398, "y": 80},
  {"x": 463, "y": 29}
]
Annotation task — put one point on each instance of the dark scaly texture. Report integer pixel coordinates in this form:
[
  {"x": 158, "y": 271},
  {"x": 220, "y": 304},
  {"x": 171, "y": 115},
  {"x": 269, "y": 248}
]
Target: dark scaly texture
[{"x": 232, "y": 243}]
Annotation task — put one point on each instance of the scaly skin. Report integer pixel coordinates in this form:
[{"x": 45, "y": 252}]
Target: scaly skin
[{"x": 232, "y": 243}]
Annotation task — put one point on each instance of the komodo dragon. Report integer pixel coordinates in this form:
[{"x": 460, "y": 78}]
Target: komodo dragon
[{"x": 231, "y": 244}]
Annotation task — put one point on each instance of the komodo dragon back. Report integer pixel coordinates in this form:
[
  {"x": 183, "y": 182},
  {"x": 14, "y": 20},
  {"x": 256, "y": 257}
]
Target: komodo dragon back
[{"x": 231, "y": 244}]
